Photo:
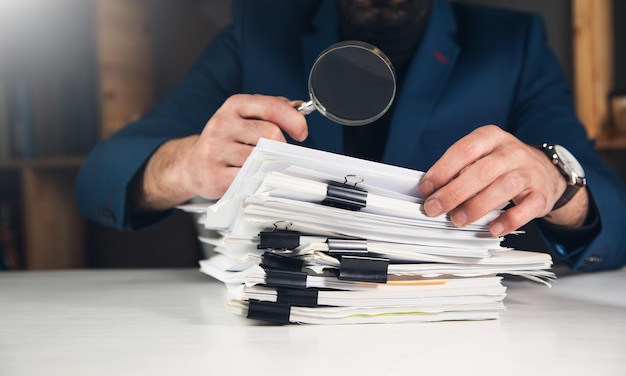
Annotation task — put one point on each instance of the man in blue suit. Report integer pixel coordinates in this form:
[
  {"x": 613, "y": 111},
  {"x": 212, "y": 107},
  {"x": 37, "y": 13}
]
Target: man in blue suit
[{"x": 478, "y": 91}]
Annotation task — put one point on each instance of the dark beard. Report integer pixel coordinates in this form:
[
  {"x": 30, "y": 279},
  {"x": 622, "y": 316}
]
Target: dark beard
[{"x": 386, "y": 17}]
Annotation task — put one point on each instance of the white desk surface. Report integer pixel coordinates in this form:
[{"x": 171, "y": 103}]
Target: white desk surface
[{"x": 173, "y": 322}]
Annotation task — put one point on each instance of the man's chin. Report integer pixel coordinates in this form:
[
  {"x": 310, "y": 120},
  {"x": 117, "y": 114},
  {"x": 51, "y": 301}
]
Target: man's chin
[
  {"x": 382, "y": 15},
  {"x": 384, "y": 3}
]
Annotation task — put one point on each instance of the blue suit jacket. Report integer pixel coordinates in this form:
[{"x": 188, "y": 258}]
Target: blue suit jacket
[{"x": 474, "y": 66}]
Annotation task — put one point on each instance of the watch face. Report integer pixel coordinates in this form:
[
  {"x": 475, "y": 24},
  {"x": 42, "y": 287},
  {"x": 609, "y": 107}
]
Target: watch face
[{"x": 569, "y": 161}]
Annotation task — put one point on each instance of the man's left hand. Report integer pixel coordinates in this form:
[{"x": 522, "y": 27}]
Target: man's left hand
[{"x": 490, "y": 167}]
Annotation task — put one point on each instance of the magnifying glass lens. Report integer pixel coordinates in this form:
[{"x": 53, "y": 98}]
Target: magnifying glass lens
[{"x": 352, "y": 83}]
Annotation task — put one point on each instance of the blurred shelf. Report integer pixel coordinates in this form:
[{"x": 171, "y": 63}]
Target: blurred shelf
[
  {"x": 50, "y": 229},
  {"x": 615, "y": 141}
]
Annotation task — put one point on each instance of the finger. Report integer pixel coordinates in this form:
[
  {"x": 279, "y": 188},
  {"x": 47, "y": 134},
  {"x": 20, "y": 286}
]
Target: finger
[
  {"x": 296, "y": 104},
  {"x": 459, "y": 156},
  {"x": 227, "y": 126},
  {"x": 221, "y": 153},
  {"x": 274, "y": 110},
  {"x": 249, "y": 131},
  {"x": 220, "y": 182},
  {"x": 501, "y": 191},
  {"x": 473, "y": 179},
  {"x": 518, "y": 215},
  {"x": 217, "y": 168},
  {"x": 236, "y": 155}
]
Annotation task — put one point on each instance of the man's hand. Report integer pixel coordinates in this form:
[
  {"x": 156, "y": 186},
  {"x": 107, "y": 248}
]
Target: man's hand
[
  {"x": 205, "y": 165},
  {"x": 490, "y": 167}
]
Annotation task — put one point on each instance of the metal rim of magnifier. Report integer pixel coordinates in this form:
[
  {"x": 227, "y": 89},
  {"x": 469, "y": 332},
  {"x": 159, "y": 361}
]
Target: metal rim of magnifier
[{"x": 352, "y": 44}]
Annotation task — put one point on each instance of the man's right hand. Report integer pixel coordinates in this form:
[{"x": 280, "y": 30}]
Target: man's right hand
[{"x": 205, "y": 165}]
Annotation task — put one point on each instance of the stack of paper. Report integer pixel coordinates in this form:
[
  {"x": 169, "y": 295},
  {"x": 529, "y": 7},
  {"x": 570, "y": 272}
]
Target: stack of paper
[{"x": 306, "y": 236}]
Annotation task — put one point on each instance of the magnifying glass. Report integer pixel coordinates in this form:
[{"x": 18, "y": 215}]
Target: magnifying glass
[{"x": 351, "y": 83}]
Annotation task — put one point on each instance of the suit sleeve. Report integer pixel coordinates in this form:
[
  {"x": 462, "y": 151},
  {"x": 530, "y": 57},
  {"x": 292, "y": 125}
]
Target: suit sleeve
[
  {"x": 102, "y": 185},
  {"x": 543, "y": 112}
]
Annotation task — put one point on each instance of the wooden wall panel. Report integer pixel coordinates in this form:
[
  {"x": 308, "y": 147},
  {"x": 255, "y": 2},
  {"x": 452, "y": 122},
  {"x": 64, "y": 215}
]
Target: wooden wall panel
[
  {"x": 125, "y": 62},
  {"x": 593, "y": 62}
]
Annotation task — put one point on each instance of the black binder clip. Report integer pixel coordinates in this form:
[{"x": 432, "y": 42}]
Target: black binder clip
[
  {"x": 346, "y": 196},
  {"x": 297, "y": 297},
  {"x": 340, "y": 247},
  {"x": 285, "y": 278},
  {"x": 363, "y": 269},
  {"x": 277, "y": 261},
  {"x": 269, "y": 311},
  {"x": 279, "y": 240}
]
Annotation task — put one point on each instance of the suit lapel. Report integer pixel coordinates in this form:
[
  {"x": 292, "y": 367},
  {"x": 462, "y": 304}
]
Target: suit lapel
[
  {"x": 323, "y": 133},
  {"x": 427, "y": 75}
]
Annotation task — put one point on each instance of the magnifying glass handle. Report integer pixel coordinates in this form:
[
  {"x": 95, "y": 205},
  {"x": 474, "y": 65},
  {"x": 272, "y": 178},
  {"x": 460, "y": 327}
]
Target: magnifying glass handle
[{"x": 306, "y": 108}]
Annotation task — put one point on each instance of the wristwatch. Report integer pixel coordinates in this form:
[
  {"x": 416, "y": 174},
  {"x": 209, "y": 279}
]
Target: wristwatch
[{"x": 569, "y": 167}]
